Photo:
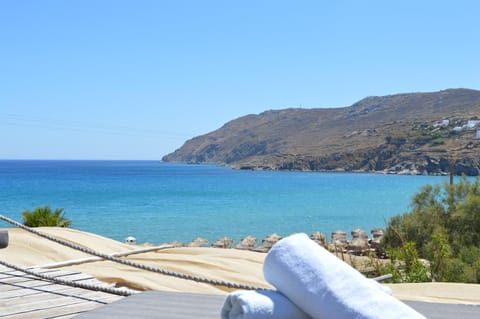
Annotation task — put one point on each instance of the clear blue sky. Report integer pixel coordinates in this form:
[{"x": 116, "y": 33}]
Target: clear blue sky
[{"x": 98, "y": 79}]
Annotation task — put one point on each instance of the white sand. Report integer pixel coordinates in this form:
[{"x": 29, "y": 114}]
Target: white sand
[{"x": 26, "y": 249}]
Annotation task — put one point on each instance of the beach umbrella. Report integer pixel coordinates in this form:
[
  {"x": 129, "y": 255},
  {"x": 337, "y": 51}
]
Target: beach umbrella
[
  {"x": 225, "y": 242},
  {"x": 339, "y": 240},
  {"x": 359, "y": 243},
  {"x": 198, "y": 242},
  {"x": 175, "y": 243},
  {"x": 359, "y": 233},
  {"x": 377, "y": 234},
  {"x": 267, "y": 243},
  {"x": 319, "y": 238},
  {"x": 247, "y": 243}
]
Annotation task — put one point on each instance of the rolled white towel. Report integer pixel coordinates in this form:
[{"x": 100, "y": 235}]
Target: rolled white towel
[
  {"x": 260, "y": 304},
  {"x": 325, "y": 287}
]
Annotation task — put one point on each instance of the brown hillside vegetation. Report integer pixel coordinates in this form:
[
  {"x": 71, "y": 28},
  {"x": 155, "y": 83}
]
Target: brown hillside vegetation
[{"x": 400, "y": 134}]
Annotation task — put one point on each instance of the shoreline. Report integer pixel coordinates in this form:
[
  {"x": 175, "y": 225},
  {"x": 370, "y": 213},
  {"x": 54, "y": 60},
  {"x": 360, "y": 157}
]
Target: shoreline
[
  {"x": 233, "y": 203},
  {"x": 339, "y": 170},
  {"x": 233, "y": 265}
]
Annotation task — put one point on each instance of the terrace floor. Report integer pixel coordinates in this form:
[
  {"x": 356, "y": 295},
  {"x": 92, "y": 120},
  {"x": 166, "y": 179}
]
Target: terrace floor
[{"x": 27, "y": 296}]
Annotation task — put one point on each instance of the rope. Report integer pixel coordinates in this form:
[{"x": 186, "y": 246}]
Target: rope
[
  {"x": 131, "y": 263},
  {"x": 110, "y": 290}
]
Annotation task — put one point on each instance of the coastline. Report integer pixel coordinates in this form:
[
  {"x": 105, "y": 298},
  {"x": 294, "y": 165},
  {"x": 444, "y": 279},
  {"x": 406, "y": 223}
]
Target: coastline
[
  {"x": 233, "y": 265},
  {"x": 115, "y": 199}
]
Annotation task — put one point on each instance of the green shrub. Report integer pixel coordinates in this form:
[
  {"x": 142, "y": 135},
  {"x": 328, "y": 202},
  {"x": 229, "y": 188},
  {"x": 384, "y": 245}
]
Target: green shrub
[
  {"x": 438, "y": 141},
  {"x": 44, "y": 216},
  {"x": 405, "y": 265},
  {"x": 443, "y": 227},
  {"x": 397, "y": 139}
]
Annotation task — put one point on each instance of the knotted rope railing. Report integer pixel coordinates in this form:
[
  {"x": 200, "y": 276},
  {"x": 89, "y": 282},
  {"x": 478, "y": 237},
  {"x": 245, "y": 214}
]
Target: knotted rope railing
[{"x": 71, "y": 283}]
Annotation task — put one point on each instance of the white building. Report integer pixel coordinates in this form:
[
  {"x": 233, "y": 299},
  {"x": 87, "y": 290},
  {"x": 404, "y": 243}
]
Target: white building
[
  {"x": 478, "y": 135},
  {"x": 473, "y": 123},
  {"x": 443, "y": 123}
]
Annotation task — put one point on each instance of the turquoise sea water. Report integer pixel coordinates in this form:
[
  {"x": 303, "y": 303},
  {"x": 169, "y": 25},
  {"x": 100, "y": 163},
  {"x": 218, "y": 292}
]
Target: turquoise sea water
[{"x": 159, "y": 202}]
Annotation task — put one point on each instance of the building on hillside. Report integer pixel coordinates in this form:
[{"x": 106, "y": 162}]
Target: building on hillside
[
  {"x": 443, "y": 123},
  {"x": 473, "y": 123}
]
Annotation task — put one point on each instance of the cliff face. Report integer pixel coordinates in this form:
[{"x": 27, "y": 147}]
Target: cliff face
[{"x": 403, "y": 133}]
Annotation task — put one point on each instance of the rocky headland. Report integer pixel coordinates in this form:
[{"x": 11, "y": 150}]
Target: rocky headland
[{"x": 414, "y": 133}]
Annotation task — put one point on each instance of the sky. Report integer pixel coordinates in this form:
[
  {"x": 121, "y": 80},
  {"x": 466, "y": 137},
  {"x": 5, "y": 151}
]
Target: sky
[{"x": 113, "y": 79}]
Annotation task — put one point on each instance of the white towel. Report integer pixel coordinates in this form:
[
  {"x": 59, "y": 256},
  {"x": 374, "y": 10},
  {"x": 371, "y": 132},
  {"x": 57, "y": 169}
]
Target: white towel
[
  {"x": 260, "y": 304},
  {"x": 324, "y": 286}
]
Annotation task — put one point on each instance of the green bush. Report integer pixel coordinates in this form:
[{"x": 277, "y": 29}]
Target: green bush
[
  {"x": 444, "y": 228},
  {"x": 437, "y": 141},
  {"x": 44, "y": 216},
  {"x": 398, "y": 139}
]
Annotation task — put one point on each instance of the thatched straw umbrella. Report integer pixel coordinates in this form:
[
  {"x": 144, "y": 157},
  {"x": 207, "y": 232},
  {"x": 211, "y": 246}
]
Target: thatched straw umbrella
[
  {"x": 359, "y": 243},
  {"x": 198, "y": 242},
  {"x": 175, "y": 243},
  {"x": 224, "y": 242},
  {"x": 339, "y": 240},
  {"x": 247, "y": 243},
  {"x": 359, "y": 233},
  {"x": 319, "y": 238},
  {"x": 377, "y": 234},
  {"x": 267, "y": 243}
]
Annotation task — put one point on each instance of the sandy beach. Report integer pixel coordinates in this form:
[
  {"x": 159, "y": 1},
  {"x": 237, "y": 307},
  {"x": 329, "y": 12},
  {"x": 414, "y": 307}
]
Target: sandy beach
[{"x": 28, "y": 250}]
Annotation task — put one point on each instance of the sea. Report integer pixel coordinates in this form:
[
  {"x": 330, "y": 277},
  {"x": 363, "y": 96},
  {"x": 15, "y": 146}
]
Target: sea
[{"x": 158, "y": 202}]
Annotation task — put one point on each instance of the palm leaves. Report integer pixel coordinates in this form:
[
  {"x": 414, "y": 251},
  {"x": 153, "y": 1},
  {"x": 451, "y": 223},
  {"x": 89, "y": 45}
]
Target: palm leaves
[{"x": 44, "y": 216}]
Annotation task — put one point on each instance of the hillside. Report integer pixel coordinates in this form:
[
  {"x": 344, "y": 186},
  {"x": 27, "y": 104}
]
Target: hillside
[{"x": 414, "y": 133}]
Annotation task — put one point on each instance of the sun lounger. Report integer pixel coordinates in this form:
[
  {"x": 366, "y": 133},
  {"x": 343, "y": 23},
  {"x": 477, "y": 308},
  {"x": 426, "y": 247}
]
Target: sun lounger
[
  {"x": 175, "y": 305},
  {"x": 306, "y": 288}
]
